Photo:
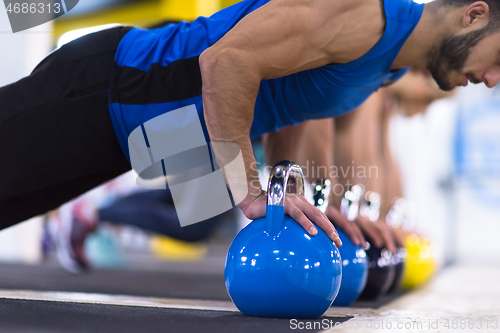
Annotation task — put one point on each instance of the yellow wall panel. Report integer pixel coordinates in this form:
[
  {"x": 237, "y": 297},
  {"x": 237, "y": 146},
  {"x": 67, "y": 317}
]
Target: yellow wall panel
[
  {"x": 142, "y": 14},
  {"x": 179, "y": 9},
  {"x": 207, "y": 7},
  {"x": 227, "y": 3}
]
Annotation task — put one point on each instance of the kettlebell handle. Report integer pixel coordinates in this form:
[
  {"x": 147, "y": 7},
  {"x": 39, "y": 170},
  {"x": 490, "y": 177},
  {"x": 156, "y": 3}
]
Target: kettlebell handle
[
  {"x": 279, "y": 179},
  {"x": 349, "y": 206},
  {"x": 370, "y": 207},
  {"x": 321, "y": 193}
]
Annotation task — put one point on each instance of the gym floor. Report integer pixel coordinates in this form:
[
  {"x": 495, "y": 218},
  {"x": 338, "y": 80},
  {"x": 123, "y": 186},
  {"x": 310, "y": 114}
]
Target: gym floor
[{"x": 152, "y": 296}]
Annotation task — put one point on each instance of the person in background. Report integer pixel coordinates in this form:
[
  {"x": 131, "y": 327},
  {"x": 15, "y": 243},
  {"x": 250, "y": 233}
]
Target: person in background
[
  {"x": 363, "y": 154},
  {"x": 360, "y": 153},
  {"x": 317, "y": 165},
  {"x": 410, "y": 96}
]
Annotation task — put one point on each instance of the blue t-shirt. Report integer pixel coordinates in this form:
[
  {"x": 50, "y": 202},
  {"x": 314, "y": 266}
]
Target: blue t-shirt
[{"x": 157, "y": 71}]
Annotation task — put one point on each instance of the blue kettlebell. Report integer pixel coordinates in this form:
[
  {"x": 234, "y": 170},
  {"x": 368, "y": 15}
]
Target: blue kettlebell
[
  {"x": 274, "y": 268},
  {"x": 354, "y": 260},
  {"x": 355, "y": 270}
]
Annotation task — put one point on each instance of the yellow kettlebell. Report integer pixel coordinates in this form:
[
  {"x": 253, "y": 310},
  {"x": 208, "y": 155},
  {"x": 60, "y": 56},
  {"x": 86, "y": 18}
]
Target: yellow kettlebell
[{"x": 420, "y": 265}]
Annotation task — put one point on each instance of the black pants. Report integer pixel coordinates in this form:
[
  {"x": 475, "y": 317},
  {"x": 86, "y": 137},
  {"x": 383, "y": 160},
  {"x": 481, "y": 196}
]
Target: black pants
[
  {"x": 155, "y": 211},
  {"x": 56, "y": 136}
]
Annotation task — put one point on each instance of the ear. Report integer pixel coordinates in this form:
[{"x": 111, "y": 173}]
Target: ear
[{"x": 475, "y": 13}]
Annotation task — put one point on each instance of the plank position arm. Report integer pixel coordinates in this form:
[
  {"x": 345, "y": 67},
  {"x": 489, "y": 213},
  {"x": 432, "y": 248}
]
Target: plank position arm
[{"x": 281, "y": 38}]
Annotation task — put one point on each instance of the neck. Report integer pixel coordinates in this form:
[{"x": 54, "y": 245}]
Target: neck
[{"x": 429, "y": 31}]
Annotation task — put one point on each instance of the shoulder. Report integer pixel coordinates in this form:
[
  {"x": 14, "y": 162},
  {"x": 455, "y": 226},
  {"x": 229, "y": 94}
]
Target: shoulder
[{"x": 356, "y": 26}]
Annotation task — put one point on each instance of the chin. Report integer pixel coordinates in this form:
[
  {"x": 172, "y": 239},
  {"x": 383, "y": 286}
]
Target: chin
[
  {"x": 448, "y": 87},
  {"x": 444, "y": 83},
  {"x": 442, "y": 78}
]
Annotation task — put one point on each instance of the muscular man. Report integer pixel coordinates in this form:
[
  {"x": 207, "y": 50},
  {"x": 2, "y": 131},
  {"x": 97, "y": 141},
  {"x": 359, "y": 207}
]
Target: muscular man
[{"x": 250, "y": 69}]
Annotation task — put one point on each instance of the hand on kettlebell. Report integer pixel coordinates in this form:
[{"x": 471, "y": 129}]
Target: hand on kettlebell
[
  {"x": 254, "y": 208},
  {"x": 389, "y": 236},
  {"x": 350, "y": 229},
  {"x": 299, "y": 209},
  {"x": 273, "y": 267},
  {"x": 376, "y": 232}
]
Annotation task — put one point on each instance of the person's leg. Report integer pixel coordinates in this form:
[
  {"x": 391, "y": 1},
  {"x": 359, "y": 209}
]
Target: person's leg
[
  {"x": 56, "y": 136},
  {"x": 154, "y": 211}
]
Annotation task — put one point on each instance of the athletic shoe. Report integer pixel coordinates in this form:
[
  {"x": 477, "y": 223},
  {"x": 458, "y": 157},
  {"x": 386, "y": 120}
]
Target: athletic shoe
[{"x": 69, "y": 229}]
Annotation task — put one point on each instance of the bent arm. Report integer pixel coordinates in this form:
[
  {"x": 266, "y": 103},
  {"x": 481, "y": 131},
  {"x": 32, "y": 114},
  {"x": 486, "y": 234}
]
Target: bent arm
[
  {"x": 264, "y": 45},
  {"x": 281, "y": 38}
]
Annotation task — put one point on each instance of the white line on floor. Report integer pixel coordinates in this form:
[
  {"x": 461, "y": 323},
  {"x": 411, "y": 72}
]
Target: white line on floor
[
  {"x": 118, "y": 300},
  {"x": 170, "y": 303}
]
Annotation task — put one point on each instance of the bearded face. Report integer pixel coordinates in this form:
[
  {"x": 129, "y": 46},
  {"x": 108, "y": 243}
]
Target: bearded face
[{"x": 452, "y": 54}]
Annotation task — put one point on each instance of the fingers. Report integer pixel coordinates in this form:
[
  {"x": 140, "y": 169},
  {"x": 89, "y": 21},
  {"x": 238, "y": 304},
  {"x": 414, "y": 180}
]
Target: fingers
[
  {"x": 257, "y": 208},
  {"x": 349, "y": 228},
  {"x": 295, "y": 213},
  {"x": 387, "y": 235},
  {"x": 371, "y": 231},
  {"x": 400, "y": 237},
  {"x": 379, "y": 233},
  {"x": 299, "y": 209},
  {"x": 354, "y": 230},
  {"x": 396, "y": 236},
  {"x": 304, "y": 214},
  {"x": 362, "y": 241}
]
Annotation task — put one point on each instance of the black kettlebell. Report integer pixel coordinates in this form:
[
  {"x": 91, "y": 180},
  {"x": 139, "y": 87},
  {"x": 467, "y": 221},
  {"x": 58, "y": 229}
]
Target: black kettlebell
[{"x": 381, "y": 264}]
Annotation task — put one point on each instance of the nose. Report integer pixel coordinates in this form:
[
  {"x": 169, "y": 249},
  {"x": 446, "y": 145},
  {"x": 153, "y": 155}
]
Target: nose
[{"x": 492, "y": 77}]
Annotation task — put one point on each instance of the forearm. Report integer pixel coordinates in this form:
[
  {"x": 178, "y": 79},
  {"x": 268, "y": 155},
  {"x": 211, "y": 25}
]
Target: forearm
[
  {"x": 229, "y": 94},
  {"x": 283, "y": 145},
  {"x": 358, "y": 157},
  {"x": 309, "y": 144},
  {"x": 265, "y": 45},
  {"x": 392, "y": 185},
  {"x": 315, "y": 152}
]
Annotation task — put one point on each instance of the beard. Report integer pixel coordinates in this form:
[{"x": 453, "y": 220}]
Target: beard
[{"x": 452, "y": 54}]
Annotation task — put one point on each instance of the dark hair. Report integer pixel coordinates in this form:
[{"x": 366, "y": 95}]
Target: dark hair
[
  {"x": 493, "y": 4},
  {"x": 459, "y": 3}
]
